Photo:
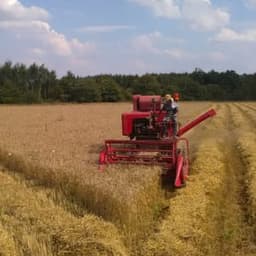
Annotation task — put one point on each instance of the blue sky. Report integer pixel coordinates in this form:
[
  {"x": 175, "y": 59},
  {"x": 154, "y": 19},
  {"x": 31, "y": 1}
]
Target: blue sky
[{"x": 130, "y": 36}]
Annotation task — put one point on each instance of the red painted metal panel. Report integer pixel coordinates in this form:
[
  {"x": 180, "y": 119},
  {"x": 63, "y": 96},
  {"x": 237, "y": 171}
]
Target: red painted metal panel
[{"x": 128, "y": 119}]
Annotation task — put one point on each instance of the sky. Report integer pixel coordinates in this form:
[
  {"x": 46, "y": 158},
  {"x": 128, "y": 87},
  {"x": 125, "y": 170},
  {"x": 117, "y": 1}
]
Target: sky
[{"x": 91, "y": 37}]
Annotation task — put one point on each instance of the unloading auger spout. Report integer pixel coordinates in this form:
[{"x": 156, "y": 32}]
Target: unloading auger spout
[{"x": 195, "y": 122}]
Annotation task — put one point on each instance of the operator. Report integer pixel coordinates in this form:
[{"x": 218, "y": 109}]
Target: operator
[
  {"x": 176, "y": 98},
  {"x": 171, "y": 107}
]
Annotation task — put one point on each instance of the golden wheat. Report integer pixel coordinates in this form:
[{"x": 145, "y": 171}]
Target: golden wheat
[
  {"x": 59, "y": 145},
  {"x": 39, "y": 227},
  {"x": 7, "y": 244}
]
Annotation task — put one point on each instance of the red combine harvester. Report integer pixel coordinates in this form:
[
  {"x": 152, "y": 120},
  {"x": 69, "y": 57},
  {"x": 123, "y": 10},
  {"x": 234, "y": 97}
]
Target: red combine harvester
[{"x": 144, "y": 126}]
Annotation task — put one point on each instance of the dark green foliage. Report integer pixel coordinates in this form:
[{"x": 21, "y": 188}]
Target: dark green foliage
[
  {"x": 21, "y": 84},
  {"x": 109, "y": 89},
  {"x": 37, "y": 84},
  {"x": 85, "y": 90},
  {"x": 9, "y": 93},
  {"x": 147, "y": 84}
]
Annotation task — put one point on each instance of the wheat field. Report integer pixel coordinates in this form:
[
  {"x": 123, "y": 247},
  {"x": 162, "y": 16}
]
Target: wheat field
[{"x": 54, "y": 201}]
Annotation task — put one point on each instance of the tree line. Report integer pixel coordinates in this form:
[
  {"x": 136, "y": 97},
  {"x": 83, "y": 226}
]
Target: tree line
[{"x": 37, "y": 84}]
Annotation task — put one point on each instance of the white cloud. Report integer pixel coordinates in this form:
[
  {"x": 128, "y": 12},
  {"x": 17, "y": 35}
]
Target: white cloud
[
  {"x": 177, "y": 53},
  {"x": 30, "y": 29},
  {"x": 39, "y": 33},
  {"x": 199, "y": 14},
  {"x": 14, "y": 10},
  {"x": 161, "y": 8},
  {"x": 203, "y": 16},
  {"x": 102, "y": 29},
  {"x": 150, "y": 44},
  {"x": 38, "y": 52},
  {"x": 227, "y": 34},
  {"x": 145, "y": 43}
]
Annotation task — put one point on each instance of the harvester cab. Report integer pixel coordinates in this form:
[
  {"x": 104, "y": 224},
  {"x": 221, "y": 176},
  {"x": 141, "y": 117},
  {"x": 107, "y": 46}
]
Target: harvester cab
[{"x": 144, "y": 126}]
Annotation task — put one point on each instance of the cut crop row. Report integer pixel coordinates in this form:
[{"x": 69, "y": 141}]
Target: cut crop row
[
  {"x": 246, "y": 143},
  {"x": 208, "y": 216}
]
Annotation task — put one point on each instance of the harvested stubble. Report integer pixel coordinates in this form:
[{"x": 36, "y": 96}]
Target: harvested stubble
[
  {"x": 246, "y": 145},
  {"x": 58, "y": 146},
  {"x": 206, "y": 218},
  {"x": 39, "y": 227}
]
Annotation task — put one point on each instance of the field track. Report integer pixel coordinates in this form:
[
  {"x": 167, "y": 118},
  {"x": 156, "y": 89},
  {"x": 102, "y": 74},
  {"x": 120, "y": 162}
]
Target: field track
[{"x": 213, "y": 215}]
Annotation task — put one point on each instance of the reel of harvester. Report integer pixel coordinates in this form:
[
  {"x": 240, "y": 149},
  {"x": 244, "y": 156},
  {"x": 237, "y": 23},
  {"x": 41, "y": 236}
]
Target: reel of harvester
[{"x": 146, "y": 146}]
